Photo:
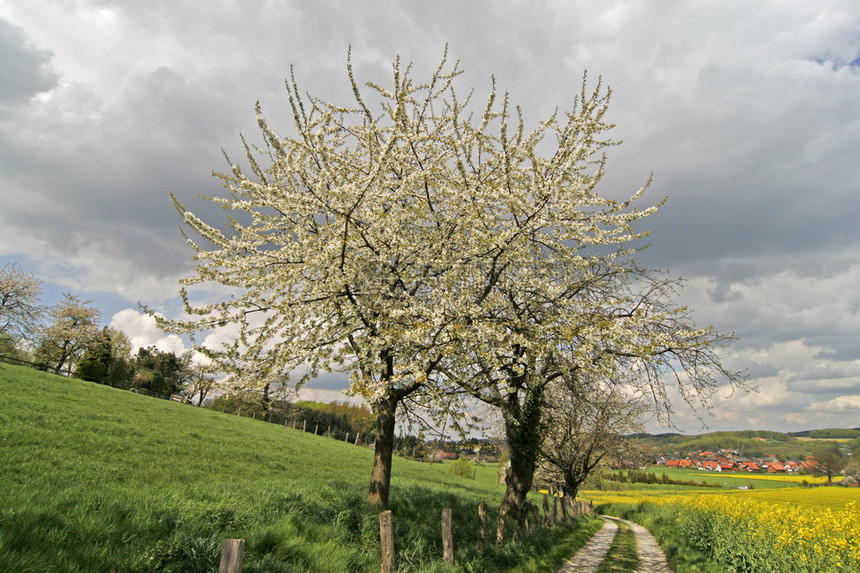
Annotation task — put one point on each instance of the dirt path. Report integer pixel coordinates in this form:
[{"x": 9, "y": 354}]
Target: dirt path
[
  {"x": 651, "y": 556},
  {"x": 592, "y": 554},
  {"x": 589, "y": 558}
]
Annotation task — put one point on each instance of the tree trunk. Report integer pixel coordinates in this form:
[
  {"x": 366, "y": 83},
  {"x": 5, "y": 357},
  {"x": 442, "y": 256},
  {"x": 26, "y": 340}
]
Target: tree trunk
[
  {"x": 571, "y": 487},
  {"x": 523, "y": 432},
  {"x": 380, "y": 477},
  {"x": 65, "y": 354}
]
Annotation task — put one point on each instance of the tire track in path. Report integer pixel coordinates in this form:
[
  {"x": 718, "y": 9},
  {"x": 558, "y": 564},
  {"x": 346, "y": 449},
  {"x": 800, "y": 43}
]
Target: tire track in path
[
  {"x": 651, "y": 556},
  {"x": 592, "y": 554},
  {"x": 588, "y": 559}
]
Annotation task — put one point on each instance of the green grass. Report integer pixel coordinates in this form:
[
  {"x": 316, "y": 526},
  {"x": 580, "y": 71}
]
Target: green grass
[
  {"x": 99, "y": 479},
  {"x": 622, "y": 557},
  {"x": 552, "y": 561},
  {"x": 729, "y": 480}
]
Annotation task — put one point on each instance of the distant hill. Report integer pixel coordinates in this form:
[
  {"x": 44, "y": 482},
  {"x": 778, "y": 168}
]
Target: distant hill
[
  {"x": 829, "y": 433},
  {"x": 751, "y": 443}
]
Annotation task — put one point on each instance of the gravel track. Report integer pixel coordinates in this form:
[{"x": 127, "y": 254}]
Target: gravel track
[{"x": 592, "y": 554}]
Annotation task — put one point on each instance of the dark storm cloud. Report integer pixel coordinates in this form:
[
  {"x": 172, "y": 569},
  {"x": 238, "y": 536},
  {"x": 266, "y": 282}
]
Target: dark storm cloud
[
  {"x": 24, "y": 70},
  {"x": 328, "y": 381},
  {"x": 746, "y": 113}
]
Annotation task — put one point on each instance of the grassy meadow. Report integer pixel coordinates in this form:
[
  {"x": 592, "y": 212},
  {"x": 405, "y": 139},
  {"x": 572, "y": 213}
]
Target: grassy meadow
[{"x": 99, "y": 479}]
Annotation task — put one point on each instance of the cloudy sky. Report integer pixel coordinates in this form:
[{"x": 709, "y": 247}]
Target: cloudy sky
[{"x": 747, "y": 113}]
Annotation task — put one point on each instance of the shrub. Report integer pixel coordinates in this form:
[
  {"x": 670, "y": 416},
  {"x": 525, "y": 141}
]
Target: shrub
[{"x": 463, "y": 468}]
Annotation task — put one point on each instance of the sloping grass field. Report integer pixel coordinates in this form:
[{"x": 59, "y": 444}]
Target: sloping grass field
[{"x": 98, "y": 479}]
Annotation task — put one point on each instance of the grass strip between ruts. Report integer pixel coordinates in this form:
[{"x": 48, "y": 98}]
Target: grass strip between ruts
[{"x": 622, "y": 557}]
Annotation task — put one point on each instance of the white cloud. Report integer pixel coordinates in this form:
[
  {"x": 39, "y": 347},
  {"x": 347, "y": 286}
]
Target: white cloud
[
  {"x": 171, "y": 343},
  {"x": 320, "y": 395},
  {"x": 143, "y": 332},
  {"x": 840, "y": 404}
]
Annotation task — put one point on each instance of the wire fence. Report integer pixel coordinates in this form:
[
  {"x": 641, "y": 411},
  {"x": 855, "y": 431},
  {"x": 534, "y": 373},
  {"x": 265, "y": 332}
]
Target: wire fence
[{"x": 321, "y": 427}]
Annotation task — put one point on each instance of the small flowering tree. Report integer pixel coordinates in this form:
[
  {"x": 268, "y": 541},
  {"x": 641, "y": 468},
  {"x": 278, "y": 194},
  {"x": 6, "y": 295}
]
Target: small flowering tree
[
  {"x": 73, "y": 325},
  {"x": 585, "y": 422},
  {"x": 20, "y": 310}
]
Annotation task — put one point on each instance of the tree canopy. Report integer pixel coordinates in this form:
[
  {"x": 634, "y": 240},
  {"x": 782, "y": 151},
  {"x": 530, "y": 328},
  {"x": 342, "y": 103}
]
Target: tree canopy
[
  {"x": 20, "y": 309},
  {"x": 429, "y": 249},
  {"x": 73, "y": 326}
]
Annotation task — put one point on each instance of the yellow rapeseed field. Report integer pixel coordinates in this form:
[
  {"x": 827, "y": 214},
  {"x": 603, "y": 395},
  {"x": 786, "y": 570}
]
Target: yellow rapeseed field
[
  {"x": 788, "y": 529},
  {"x": 832, "y": 497},
  {"x": 789, "y": 478}
]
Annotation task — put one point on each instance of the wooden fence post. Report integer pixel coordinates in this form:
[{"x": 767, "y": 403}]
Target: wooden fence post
[
  {"x": 482, "y": 525},
  {"x": 346, "y": 439},
  {"x": 305, "y": 426},
  {"x": 546, "y": 515},
  {"x": 315, "y": 429},
  {"x": 564, "y": 504},
  {"x": 232, "y": 552},
  {"x": 386, "y": 542},
  {"x": 447, "y": 537},
  {"x": 356, "y": 438},
  {"x": 554, "y": 507}
]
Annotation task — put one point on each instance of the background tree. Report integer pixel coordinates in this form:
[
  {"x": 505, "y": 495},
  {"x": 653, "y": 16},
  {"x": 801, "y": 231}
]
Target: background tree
[
  {"x": 107, "y": 359},
  {"x": 158, "y": 371},
  {"x": 829, "y": 461},
  {"x": 586, "y": 421},
  {"x": 852, "y": 465},
  {"x": 358, "y": 416},
  {"x": 96, "y": 359},
  {"x": 269, "y": 400},
  {"x": 20, "y": 310},
  {"x": 73, "y": 324},
  {"x": 200, "y": 379},
  {"x": 120, "y": 366}
]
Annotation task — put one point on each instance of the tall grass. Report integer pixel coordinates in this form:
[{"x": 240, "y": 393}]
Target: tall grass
[{"x": 99, "y": 479}]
